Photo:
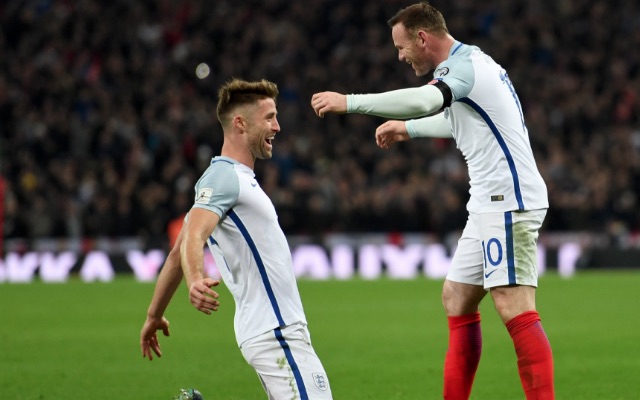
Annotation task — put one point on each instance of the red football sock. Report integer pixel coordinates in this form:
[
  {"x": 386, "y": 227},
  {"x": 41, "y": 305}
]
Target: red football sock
[
  {"x": 463, "y": 355},
  {"x": 535, "y": 360}
]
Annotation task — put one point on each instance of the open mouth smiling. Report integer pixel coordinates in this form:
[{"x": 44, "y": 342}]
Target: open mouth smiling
[{"x": 269, "y": 139}]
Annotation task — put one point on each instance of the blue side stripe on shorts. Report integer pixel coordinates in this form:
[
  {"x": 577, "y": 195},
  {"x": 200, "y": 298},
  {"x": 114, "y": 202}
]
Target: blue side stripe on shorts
[
  {"x": 263, "y": 272},
  {"x": 294, "y": 367},
  {"x": 511, "y": 265}
]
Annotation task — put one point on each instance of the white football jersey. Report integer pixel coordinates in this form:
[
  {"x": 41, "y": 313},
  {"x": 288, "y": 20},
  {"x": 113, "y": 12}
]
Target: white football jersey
[
  {"x": 250, "y": 249},
  {"x": 488, "y": 126}
]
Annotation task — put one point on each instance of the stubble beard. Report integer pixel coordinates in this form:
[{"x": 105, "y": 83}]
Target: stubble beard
[{"x": 257, "y": 146}]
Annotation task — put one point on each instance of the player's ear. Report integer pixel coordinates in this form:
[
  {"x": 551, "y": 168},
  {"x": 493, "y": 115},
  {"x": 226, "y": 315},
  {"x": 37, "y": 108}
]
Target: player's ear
[
  {"x": 422, "y": 37},
  {"x": 239, "y": 122}
]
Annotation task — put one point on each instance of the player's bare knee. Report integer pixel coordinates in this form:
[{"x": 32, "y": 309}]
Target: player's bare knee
[
  {"x": 511, "y": 301},
  {"x": 461, "y": 298},
  {"x": 451, "y": 298}
]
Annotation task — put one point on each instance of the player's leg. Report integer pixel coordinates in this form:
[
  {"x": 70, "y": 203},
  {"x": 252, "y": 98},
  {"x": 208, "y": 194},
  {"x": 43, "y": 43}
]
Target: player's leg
[
  {"x": 511, "y": 301},
  {"x": 462, "y": 293},
  {"x": 509, "y": 242},
  {"x": 287, "y": 364},
  {"x": 461, "y": 298},
  {"x": 311, "y": 368},
  {"x": 516, "y": 306}
]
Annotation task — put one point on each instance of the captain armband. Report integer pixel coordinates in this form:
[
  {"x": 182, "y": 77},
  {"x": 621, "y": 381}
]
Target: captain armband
[{"x": 446, "y": 93}]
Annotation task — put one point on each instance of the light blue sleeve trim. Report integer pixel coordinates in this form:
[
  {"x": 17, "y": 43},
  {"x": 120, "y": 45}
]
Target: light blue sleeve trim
[
  {"x": 460, "y": 76},
  {"x": 436, "y": 126},
  {"x": 218, "y": 188},
  {"x": 400, "y": 104}
]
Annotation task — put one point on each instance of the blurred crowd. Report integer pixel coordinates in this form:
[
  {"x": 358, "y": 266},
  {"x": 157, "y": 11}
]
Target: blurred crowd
[{"x": 104, "y": 126}]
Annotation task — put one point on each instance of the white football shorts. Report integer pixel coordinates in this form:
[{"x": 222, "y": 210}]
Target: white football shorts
[
  {"x": 287, "y": 364},
  {"x": 498, "y": 249}
]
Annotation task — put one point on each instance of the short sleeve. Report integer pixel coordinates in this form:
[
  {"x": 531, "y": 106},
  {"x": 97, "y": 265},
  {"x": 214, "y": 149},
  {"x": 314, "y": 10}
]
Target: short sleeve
[
  {"x": 218, "y": 188},
  {"x": 458, "y": 74}
]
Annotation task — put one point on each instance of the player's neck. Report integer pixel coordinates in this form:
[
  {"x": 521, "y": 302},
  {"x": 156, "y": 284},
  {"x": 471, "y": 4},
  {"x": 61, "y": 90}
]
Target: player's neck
[
  {"x": 444, "y": 48},
  {"x": 242, "y": 154}
]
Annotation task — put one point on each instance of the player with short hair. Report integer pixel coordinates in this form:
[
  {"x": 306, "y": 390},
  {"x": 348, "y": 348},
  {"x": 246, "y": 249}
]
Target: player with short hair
[
  {"x": 238, "y": 222},
  {"x": 472, "y": 100}
]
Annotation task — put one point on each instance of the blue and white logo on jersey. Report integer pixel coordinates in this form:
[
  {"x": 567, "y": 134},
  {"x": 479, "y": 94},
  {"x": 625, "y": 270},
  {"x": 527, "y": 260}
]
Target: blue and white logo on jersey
[{"x": 440, "y": 72}]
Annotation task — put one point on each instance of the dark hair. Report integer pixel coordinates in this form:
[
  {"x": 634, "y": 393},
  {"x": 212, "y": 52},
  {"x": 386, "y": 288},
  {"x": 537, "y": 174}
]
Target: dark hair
[
  {"x": 238, "y": 92},
  {"x": 420, "y": 16}
]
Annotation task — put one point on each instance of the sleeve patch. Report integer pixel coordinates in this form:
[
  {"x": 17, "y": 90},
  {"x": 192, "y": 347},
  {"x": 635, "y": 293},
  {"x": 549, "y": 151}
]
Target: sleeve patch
[
  {"x": 204, "y": 196},
  {"x": 440, "y": 72}
]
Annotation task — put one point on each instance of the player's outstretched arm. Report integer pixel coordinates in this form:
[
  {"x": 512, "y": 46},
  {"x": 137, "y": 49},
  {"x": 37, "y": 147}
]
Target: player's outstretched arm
[
  {"x": 199, "y": 225},
  {"x": 435, "y": 126},
  {"x": 325, "y": 102},
  {"x": 166, "y": 285},
  {"x": 391, "y": 132}
]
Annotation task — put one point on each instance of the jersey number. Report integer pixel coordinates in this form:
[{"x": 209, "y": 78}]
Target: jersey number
[{"x": 492, "y": 252}]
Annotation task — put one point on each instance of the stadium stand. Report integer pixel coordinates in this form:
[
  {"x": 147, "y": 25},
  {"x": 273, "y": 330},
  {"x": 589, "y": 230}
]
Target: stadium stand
[{"x": 104, "y": 126}]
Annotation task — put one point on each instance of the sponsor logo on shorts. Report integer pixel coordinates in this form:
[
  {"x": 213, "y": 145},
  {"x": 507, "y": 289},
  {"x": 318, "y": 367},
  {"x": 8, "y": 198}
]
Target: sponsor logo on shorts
[
  {"x": 320, "y": 380},
  {"x": 497, "y": 198},
  {"x": 490, "y": 273}
]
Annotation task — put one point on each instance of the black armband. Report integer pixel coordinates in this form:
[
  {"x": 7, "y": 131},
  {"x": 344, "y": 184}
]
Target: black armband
[{"x": 446, "y": 93}]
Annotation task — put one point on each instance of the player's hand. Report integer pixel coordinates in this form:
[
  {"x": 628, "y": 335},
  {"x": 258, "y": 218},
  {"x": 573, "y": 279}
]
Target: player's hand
[
  {"x": 202, "y": 297},
  {"x": 149, "y": 336},
  {"x": 325, "y": 102},
  {"x": 391, "y": 132}
]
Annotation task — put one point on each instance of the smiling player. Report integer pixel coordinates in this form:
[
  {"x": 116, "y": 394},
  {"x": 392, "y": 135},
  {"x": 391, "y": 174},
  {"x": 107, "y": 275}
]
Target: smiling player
[
  {"x": 472, "y": 100},
  {"x": 238, "y": 222}
]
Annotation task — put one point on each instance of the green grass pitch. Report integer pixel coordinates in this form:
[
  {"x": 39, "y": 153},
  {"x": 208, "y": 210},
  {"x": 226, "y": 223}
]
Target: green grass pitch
[{"x": 381, "y": 339}]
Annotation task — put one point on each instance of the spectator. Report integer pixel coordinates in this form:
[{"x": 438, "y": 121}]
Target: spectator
[{"x": 96, "y": 95}]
